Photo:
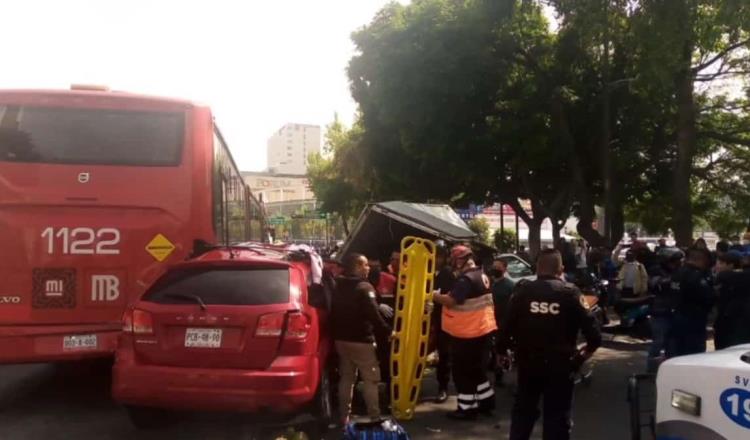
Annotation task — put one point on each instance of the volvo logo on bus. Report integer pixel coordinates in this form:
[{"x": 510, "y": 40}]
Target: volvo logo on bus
[{"x": 84, "y": 177}]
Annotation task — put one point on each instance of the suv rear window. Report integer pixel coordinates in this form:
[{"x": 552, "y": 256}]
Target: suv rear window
[
  {"x": 90, "y": 136},
  {"x": 222, "y": 286}
]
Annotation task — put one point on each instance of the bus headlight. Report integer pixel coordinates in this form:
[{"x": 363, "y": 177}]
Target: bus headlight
[{"x": 686, "y": 402}]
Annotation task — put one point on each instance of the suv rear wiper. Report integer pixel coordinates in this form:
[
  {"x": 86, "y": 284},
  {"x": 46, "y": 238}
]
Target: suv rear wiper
[{"x": 189, "y": 296}]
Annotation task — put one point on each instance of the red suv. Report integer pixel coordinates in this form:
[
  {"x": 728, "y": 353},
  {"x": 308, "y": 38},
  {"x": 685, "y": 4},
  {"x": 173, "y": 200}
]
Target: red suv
[{"x": 232, "y": 330}]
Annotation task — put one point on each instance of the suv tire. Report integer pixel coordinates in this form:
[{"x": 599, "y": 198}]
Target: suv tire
[
  {"x": 146, "y": 418},
  {"x": 322, "y": 405}
]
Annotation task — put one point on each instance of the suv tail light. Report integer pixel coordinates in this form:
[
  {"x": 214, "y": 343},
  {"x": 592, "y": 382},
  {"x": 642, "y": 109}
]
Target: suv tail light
[
  {"x": 298, "y": 326},
  {"x": 138, "y": 322},
  {"x": 272, "y": 325},
  {"x": 127, "y": 321}
]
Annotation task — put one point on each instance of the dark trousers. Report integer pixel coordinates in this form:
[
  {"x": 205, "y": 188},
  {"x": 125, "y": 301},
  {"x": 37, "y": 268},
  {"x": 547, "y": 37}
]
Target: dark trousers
[
  {"x": 556, "y": 387},
  {"x": 660, "y": 325},
  {"x": 689, "y": 342},
  {"x": 383, "y": 352},
  {"x": 444, "y": 359},
  {"x": 687, "y": 335},
  {"x": 470, "y": 355}
]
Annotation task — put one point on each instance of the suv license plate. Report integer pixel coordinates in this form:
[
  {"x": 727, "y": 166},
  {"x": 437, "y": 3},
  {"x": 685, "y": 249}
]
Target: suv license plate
[
  {"x": 79, "y": 342},
  {"x": 203, "y": 337}
]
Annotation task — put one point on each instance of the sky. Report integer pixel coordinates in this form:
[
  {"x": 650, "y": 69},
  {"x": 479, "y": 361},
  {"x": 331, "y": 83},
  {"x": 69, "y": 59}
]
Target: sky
[{"x": 258, "y": 63}]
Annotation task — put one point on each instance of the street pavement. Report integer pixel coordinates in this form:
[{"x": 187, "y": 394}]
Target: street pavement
[{"x": 48, "y": 402}]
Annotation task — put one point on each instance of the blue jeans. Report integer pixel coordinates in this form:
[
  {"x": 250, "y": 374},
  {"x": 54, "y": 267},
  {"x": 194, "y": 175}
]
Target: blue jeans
[{"x": 660, "y": 326}]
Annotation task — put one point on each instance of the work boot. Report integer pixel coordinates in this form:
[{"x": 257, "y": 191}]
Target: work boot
[
  {"x": 340, "y": 425},
  {"x": 442, "y": 396},
  {"x": 466, "y": 415}
]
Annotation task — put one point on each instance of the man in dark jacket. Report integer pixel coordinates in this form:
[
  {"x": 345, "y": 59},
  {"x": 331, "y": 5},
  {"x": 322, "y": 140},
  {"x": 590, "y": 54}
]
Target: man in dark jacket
[
  {"x": 660, "y": 286},
  {"x": 693, "y": 291},
  {"x": 502, "y": 288},
  {"x": 355, "y": 320},
  {"x": 385, "y": 290},
  {"x": 444, "y": 280},
  {"x": 733, "y": 304}
]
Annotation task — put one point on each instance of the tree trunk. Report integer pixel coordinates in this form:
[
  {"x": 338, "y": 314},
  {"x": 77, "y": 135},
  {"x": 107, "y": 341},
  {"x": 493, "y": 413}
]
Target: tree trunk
[
  {"x": 535, "y": 237},
  {"x": 606, "y": 135},
  {"x": 683, "y": 220},
  {"x": 618, "y": 223},
  {"x": 586, "y": 213},
  {"x": 556, "y": 229},
  {"x": 686, "y": 133},
  {"x": 534, "y": 224},
  {"x": 345, "y": 225}
]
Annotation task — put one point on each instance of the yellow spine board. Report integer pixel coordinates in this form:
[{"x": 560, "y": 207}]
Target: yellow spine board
[{"x": 411, "y": 324}]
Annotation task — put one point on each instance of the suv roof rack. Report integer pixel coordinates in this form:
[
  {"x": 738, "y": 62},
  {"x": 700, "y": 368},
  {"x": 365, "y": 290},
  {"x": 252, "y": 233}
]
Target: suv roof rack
[{"x": 201, "y": 247}]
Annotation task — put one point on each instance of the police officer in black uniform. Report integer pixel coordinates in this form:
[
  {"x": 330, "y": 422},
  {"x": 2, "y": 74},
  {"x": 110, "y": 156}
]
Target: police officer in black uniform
[
  {"x": 694, "y": 294},
  {"x": 542, "y": 323},
  {"x": 733, "y": 304}
]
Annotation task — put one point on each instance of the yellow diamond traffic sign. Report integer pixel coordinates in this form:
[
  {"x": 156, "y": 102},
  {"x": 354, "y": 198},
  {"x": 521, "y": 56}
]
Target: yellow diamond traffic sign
[{"x": 159, "y": 247}]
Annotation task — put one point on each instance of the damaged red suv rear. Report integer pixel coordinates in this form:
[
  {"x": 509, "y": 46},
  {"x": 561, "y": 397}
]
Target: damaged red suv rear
[{"x": 232, "y": 330}]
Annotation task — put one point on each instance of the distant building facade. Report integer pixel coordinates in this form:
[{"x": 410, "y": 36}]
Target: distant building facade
[
  {"x": 290, "y": 146},
  {"x": 277, "y": 188},
  {"x": 291, "y": 208}
]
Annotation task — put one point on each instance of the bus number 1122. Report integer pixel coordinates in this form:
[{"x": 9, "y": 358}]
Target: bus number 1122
[{"x": 83, "y": 241}]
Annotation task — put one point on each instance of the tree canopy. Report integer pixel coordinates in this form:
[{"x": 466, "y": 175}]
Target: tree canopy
[{"x": 636, "y": 106}]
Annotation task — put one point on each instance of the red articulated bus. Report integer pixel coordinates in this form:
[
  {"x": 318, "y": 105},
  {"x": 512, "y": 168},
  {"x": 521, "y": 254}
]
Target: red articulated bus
[{"x": 99, "y": 192}]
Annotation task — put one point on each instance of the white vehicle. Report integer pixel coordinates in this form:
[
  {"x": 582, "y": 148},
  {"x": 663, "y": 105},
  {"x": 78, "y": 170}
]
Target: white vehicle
[
  {"x": 705, "y": 396},
  {"x": 518, "y": 268}
]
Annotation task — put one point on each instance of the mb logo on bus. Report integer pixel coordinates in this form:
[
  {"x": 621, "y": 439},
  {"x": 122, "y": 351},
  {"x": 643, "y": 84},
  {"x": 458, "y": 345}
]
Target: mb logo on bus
[{"x": 105, "y": 288}]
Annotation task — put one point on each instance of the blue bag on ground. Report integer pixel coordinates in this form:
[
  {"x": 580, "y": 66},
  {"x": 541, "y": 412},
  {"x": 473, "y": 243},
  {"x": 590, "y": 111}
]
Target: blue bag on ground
[{"x": 386, "y": 429}]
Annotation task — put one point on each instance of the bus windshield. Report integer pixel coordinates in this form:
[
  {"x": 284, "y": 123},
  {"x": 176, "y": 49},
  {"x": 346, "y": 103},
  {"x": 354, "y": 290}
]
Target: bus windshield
[{"x": 90, "y": 136}]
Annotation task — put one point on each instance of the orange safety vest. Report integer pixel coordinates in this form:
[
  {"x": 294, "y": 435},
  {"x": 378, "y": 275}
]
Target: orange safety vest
[{"x": 476, "y": 316}]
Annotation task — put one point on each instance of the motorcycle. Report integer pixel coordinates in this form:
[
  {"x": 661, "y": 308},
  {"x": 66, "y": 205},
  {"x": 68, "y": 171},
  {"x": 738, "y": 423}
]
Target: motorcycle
[
  {"x": 635, "y": 316},
  {"x": 594, "y": 293}
]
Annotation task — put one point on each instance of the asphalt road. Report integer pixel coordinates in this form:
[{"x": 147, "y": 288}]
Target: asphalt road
[{"x": 48, "y": 402}]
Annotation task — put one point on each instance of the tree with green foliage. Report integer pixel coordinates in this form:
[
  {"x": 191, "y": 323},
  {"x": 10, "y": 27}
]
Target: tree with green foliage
[
  {"x": 689, "y": 48},
  {"x": 339, "y": 180},
  {"x": 504, "y": 240},
  {"x": 481, "y": 227},
  {"x": 615, "y": 106}
]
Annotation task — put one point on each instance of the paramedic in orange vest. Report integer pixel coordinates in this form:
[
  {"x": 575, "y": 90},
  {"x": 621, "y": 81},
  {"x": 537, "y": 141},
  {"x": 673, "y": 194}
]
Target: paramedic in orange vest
[{"x": 469, "y": 317}]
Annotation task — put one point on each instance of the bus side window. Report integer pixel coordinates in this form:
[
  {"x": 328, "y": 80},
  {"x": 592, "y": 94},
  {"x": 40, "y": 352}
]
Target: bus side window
[
  {"x": 238, "y": 216},
  {"x": 218, "y": 192}
]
